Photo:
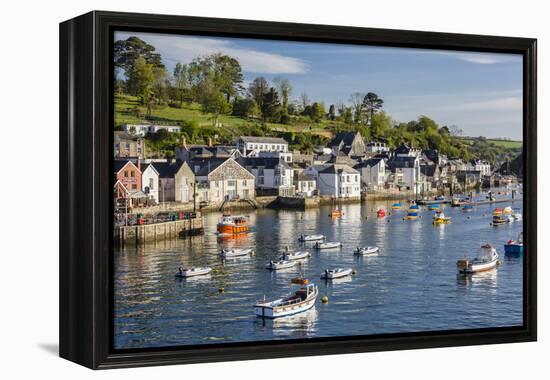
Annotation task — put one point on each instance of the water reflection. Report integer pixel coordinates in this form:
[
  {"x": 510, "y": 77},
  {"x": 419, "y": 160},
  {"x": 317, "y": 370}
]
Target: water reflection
[{"x": 411, "y": 284}]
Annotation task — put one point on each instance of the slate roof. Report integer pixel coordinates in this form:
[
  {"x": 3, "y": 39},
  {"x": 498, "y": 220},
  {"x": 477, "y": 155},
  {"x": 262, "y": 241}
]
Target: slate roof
[
  {"x": 265, "y": 140},
  {"x": 401, "y": 162},
  {"x": 368, "y": 163},
  {"x": 167, "y": 169},
  {"x": 266, "y": 162},
  {"x": 343, "y": 137},
  {"x": 119, "y": 164},
  {"x": 336, "y": 168},
  {"x": 206, "y": 166},
  {"x": 428, "y": 170}
]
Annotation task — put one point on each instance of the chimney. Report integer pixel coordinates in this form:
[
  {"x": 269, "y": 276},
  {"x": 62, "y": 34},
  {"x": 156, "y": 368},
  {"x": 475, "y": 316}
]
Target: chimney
[
  {"x": 183, "y": 142},
  {"x": 138, "y": 163},
  {"x": 210, "y": 141}
]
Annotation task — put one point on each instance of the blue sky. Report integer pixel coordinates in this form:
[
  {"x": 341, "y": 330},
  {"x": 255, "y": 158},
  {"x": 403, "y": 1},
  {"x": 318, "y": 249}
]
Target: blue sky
[{"x": 481, "y": 93}]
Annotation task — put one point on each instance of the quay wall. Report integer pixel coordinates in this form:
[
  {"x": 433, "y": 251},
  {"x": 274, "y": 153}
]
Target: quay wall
[{"x": 148, "y": 233}]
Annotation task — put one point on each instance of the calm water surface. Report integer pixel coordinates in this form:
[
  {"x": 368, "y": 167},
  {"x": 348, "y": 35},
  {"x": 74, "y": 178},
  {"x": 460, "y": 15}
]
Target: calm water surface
[{"x": 412, "y": 285}]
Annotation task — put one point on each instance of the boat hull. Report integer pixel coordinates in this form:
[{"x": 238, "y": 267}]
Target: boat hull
[
  {"x": 481, "y": 267},
  {"x": 271, "y": 312},
  {"x": 513, "y": 249},
  {"x": 232, "y": 230}
]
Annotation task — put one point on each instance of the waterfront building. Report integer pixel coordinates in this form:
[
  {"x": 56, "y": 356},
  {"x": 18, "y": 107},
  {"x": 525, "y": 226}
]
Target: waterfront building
[
  {"x": 143, "y": 129},
  {"x": 177, "y": 181},
  {"x": 128, "y": 174},
  {"x": 221, "y": 179},
  {"x": 305, "y": 185},
  {"x": 350, "y": 144},
  {"x": 405, "y": 150},
  {"x": 339, "y": 181},
  {"x": 373, "y": 173},
  {"x": 270, "y": 174},
  {"x": 150, "y": 181},
  {"x": 482, "y": 166},
  {"x": 127, "y": 145}
]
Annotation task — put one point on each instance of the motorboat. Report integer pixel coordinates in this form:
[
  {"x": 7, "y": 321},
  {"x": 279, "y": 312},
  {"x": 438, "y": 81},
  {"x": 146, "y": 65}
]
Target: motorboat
[
  {"x": 514, "y": 247},
  {"x": 507, "y": 210},
  {"x": 300, "y": 301},
  {"x": 336, "y": 213},
  {"x": 434, "y": 207},
  {"x": 330, "y": 274},
  {"x": 412, "y": 215},
  {"x": 499, "y": 219},
  {"x": 397, "y": 206},
  {"x": 468, "y": 208},
  {"x": 281, "y": 264},
  {"x": 328, "y": 245},
  {"x": 306, "y": 238},
  {"x": 193, "y": 271},
  {"x": 236, "y": 252},
  {"x": 486, "y": 260},
  {"x": 440, "y": 218},
  {"x": 232, "y": 225},
  {"x": 517, "y": 216},
  {"x": 367, "y": 250},
  {"x": 298, "y": 255}
]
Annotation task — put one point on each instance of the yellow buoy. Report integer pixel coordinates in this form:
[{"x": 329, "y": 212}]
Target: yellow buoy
[
  {"x": 221, "y": 290},
  {"x": 324, "y": 299}
]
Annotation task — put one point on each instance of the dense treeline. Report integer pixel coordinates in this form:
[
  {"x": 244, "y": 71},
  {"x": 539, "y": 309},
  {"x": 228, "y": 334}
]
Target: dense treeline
[{"x": 216, "y": 83}]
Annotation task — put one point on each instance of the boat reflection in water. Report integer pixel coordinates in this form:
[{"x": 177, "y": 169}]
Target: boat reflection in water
[
  {"x": 487, "y": 279},
  {"x": 297, "y": 326}
]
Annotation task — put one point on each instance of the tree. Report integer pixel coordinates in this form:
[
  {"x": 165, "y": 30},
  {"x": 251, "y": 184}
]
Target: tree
[
  {"x": 304, "y": 100},
  {"x": 316, "y": 111},
  {"x": 332, "y": 112},
  {"x": 284, "y": 88},
  {"x": 245, "y": 107},
  {"x": 161, "y": 84},
  {"x": 215, "y": 103},
  {"x": 455, "y": 131},
  {"x": 381, "y": 124},
  {"x": 181, "y": 81},
  {"x": 140, "y": 80},
  {"x": 126, "y": 52},
  {"x": 371, "y": 104},
  {"x": 271, "y": 107},
  {"x": 356, "y": 100},
  {"x": 257, "y": 89}
]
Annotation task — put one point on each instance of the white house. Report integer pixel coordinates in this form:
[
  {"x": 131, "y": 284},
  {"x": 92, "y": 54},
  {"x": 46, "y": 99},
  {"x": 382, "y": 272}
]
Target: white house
[
  {"x": 150, "y": 181},
  {"x": 176, "y": 181},
  {"x": 373, "y": 173},
  {"x": 483, "y": 167},
  {"x": 143, "y": 129},
  {"x": 305, "y": 184},
  {"x": 270, "y": 173},
  {"x": 261, "y": 144},
  {"x": 339, "y": 181}
]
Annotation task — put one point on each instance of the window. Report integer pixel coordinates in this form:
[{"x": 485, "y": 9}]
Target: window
[
  {"x": 245, "y": 182},
  {"x": 134, "y": 186},
  {"x": 232, "y": 183},
  {"x": 132, "y": 174},
  {"x": 151, "y": 183},
  {"x": 126, "y": 173}
]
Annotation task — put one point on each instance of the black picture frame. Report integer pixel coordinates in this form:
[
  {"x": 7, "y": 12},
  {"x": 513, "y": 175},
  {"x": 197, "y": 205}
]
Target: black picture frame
[{"x": 86, "y": 109}]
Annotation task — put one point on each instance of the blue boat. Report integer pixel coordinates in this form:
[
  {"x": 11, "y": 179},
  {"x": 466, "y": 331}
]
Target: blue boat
[
  {"x": 414, "y": 207},
  {"x": 434, "y": 206},
  {"x": 468, "y": 208},
  {"x": 514, "y": 248}
]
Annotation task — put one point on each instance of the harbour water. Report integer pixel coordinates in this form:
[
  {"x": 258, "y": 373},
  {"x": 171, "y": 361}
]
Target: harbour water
[{"x": 410, "y": 286}]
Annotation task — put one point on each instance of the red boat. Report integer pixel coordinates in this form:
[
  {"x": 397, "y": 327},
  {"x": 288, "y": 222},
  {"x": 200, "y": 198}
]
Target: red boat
[{"x": 381, "y": 213}]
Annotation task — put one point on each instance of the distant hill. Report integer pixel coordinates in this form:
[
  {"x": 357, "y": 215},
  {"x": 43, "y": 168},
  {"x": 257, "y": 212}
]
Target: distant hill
[{"x": 513, "y": 167}]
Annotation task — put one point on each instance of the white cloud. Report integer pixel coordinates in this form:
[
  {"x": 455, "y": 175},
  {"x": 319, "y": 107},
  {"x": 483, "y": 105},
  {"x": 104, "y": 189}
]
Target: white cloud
[
  {"x": 482, "y": 58},
  {"x": 500, "y": 104},
  {"x": 184, "y": 48}
]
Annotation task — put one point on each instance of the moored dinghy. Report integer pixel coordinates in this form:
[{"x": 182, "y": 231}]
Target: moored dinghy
[
  {"x": 486, "y": 260},
  {"x": 306, "y": 238},
  {"x": 514, "y": 247},
  {"x": 367, "y": 250},
  {"x": 299, "y": 255},
  {"x": 281, "y": 264},
  {"x": 328, "y": 245},
  {"x": 330, "y": 274},
  {"x": 236, "y": 252},
  {"x": 301, "y": 300},
  {"x": 191, "y": 272}
]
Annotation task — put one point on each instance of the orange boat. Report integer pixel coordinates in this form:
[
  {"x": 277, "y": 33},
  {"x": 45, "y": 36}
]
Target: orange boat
[
  {"x": 233, "y": 225},
  {"x": 336, "y": 213}
]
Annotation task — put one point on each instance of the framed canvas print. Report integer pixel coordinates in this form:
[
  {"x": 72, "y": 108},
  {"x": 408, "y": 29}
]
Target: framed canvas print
[{"x": 238, "y": 189}]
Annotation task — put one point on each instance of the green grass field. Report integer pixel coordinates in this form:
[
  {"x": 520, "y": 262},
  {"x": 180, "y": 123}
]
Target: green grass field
[
  {"x": 500, "y": 143},
  {"x": 126, "y": 113}
]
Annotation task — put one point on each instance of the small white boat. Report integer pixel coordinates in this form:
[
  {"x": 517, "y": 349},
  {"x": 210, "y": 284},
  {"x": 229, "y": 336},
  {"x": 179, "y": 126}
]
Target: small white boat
[
  {"x": 236, "y": 252},
  {"x": 300, "y": 301},
  {"x": 299, "y": 255},
  {"x": 329, "y": 274},
  {"x": 191, "y": 272},
  {"x": 328, "y": 245},
  {"x": 367, "y": 250},
  {"x": 487, "y": 259},
  {"x": 517, "y": 217},
  {"x": 306, "y": 238},
  {"x": 281, "y": 264}
]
